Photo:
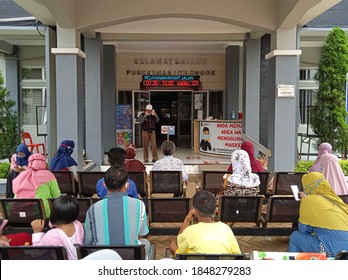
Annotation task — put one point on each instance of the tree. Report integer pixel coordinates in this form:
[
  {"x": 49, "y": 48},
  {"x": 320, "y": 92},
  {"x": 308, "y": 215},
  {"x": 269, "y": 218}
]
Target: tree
[
  {"x": 9, "y": 137},
  {"x": 328, "y": 116}
]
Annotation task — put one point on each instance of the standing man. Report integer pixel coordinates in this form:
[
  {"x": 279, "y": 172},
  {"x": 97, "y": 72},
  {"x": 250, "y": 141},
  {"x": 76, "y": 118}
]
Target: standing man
[{"x": 148, "y": 121}]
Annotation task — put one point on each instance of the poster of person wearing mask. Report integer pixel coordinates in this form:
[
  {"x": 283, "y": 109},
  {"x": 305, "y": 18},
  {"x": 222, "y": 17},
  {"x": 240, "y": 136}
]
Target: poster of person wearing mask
[
  {"x": 205, "y": 143},
  {"x": 220, "y": 137}
]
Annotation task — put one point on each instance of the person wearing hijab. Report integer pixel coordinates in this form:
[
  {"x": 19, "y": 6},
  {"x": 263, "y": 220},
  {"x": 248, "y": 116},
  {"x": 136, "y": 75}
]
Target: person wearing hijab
[
  {"x": 242, "y": 181},
  {"x": 256, "y": 165},
  {"x": 36, "y": 182},
  {"x": 323, "y": 221},
  {"x": 63, "y": 159},
  {"x": 131, "y": 163},
  {"x": 19, "y": 163},
  {"x": 324, "y": 148},
  {"x": 333, "y": 172}
]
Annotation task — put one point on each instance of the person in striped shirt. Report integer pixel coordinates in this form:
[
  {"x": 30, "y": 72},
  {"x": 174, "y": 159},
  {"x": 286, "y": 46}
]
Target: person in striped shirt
[{"x": 117, "y": 219}]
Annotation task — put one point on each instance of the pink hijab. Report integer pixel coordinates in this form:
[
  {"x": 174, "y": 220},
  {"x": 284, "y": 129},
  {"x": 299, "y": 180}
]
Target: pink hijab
[
  {"x": 324, "y": 148},
  {"x": 333, "y": 173},
  {"x": 26, "y": 183}
]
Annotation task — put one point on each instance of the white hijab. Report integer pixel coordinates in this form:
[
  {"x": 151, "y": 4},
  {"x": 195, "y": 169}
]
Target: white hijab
[{"x": 242, "y": 175}]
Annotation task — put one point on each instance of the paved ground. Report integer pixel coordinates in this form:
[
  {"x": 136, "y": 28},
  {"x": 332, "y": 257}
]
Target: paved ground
[{"x": 247, "y": 244}]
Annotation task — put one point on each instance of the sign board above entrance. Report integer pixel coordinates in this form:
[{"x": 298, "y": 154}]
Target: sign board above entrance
[{"x": 170, "y": 81}]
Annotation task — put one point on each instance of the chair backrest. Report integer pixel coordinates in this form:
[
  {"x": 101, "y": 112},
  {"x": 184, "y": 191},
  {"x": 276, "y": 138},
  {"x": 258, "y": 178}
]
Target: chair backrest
[
  {"x": 344, "y": 197},
  {"x": 127, "y": 252},
  {"x": 139, "y": 179},
  {"x": 84, "y": 204},
  {"x": 32, "y": 253},
  {"x": 240, "y": 208},
  {"x": 168, "y": 209},
  {"x": 284, "y": 180},
  {"x": 211, "y": 257},
  {"x": 66, "y": 181},
  {"x": 283, "y": 209},
  {"x": 166, "y": 182},
  {"x": 26, "y": 138},
  {"x": 87, "y": 182},
  {"x": 264, "y": 179},
  {"x": 212, "y": 181},
  {"x": 20, "y": 212}
]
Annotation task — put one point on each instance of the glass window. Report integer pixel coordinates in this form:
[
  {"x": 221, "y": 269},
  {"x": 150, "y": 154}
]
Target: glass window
[
  {"x": 216, "y": 104},
  {"x": 307, "y": 100},
  {"x": 308, "y": 74},
  {"x": 33, "y": 73},
  {"x": 31, "y": 98}
]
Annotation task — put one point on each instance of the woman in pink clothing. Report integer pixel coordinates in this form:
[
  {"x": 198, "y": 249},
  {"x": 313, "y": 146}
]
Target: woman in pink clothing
[
  {"x": 65, "y": 230},
  {"x": 36, "y": 182},
  {"x": 332, "y": 171},
  {"x": 324, "y": 148}
]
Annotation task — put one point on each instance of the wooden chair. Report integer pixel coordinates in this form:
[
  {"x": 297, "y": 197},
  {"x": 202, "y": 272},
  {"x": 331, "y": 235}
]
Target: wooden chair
[
  {"x": 167, "y": 182},
  {"x": 168, "y": 211},
  {"x": 87, "y": 182},
  {"x": 28, "y": 141},
  {"x": 84, "y": 204},
  {"x": 211, "y": 257},
  {"x": 127, "y": 252},
  {"x": 264, "y": 180},
  {"x": 139, "y": 179},
  {"x": 20, "y": 212},
  {"x": 241, "y": 209},
  {"x": 284, "y": 180},
  {"x": 282, "y": 209},
  {"x": 212, "y": 181},
  {"x": 32, "y": 253},
  {"x": 66, "y": 181},
  {"x": 344, "y": 197}
]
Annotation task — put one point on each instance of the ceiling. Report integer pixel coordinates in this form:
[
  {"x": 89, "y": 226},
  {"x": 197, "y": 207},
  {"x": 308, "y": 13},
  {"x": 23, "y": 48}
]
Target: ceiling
[{"x": 166, "y": 26}]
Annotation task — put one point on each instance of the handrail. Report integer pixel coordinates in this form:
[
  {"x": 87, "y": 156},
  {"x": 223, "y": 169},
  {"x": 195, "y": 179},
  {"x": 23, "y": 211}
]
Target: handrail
[{"x": 257, "y": 145}]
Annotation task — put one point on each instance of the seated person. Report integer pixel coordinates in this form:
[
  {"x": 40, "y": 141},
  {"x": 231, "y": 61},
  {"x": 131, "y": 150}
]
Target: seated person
[
  {"x": 63, "y": 159},
  {"x": 169, "y": 162},
  {"x": 323, "y": 222},
  {"x": 256, "y": 165},
  {"x": 65, "y": 230},
  {"x": 205, "y": 236},
  {"x": 324, "y": 148},
  {"x": 133, "y": 164},
  {"x": 19, "y": 163},
  {"x": 36, "y": 182},
  {"x": 242, "y": 181},
  {"x": 15, "y": 239},
  {"x": 117, "y": 219},
  {"x": 116, "y": 156}
]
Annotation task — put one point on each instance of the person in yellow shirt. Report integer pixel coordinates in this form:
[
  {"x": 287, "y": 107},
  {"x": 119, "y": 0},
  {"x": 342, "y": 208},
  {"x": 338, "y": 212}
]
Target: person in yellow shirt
[
  {"x": 206, "y": 236},
  {"x": 323, "y": 222}
]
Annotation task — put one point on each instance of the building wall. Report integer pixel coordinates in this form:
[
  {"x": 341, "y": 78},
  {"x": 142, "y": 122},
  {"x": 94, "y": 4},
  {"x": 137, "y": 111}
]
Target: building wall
[{"x": 131, "y": 66}]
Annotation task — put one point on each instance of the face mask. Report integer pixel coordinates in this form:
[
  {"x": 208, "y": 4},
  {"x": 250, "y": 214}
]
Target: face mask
[
  {"x": 206, "y": 137},
  {"x": 70, "y": 150},
  {"x": 21, "y": 156}
]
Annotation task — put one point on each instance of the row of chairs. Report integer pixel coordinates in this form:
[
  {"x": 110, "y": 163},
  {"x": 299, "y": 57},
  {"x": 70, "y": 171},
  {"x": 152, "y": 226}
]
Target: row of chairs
[
  {"x": 160, "y": 182},
  {"x": 127, "y": 252},
  {"x": 282, "y": 181}
]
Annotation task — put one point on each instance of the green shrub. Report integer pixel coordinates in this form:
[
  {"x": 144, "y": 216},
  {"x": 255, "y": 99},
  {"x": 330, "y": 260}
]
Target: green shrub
[
  {"x": 4, "y": 169},
  {"x": 303, "y": 165},
  {"x": 344, "y": 166}
]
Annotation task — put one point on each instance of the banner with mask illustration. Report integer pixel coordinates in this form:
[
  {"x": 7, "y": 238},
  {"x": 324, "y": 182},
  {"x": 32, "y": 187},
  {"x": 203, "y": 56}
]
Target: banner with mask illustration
[{"x": 218, "y": 137}]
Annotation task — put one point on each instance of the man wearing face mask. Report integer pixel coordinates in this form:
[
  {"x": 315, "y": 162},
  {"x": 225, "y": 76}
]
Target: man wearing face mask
[
  {"x": 19, "y": 163},
  {"x": 205, "y": 143},
  {"x": 148, "y": 121},
  {"x": 63, "y": 159}
]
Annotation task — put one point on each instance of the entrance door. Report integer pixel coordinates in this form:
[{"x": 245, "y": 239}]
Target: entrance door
[{"x": 140, "y": 100}]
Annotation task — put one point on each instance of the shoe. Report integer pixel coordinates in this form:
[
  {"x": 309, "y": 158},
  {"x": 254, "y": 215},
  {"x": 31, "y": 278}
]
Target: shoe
[
  {"x": 154, "y": 160},
  {"x": 146, "y": 161}
]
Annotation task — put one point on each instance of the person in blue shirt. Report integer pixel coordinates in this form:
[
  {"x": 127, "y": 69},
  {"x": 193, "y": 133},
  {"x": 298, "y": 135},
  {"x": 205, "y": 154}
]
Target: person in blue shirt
[{"x": 116, "y": 156}]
